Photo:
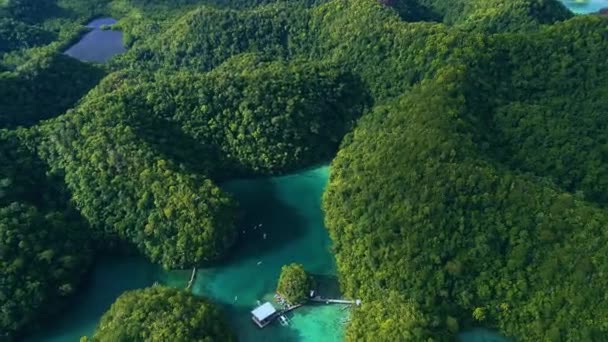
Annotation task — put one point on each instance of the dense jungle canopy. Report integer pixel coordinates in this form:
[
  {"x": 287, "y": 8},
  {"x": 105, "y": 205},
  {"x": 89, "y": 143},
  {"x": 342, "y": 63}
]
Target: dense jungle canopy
[
  {"x": 470, "y": 155},
  {"x": 162, "y": 314}
]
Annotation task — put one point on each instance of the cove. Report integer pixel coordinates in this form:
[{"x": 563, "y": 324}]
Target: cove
[
  {"x": 585, "y": 6},
  {"x": 289, "y": 209},
  {"x": 98, "y": 45}
]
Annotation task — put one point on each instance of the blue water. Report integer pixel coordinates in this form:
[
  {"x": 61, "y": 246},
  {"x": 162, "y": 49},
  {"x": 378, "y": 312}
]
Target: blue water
[
  {"x": 481, "y": 335},
  {"x": 585, "y": 6},
  {"x": 110, "y": 278},
  {"x": 98, "y": 45},
  {"x": 289, "y": 209}
]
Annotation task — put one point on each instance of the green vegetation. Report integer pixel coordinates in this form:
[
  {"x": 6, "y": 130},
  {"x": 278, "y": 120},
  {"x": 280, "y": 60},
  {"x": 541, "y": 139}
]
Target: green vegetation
[
  {"x": 465, "y": 229},
  {"x": 547, "y": 124},
  {"x": 117, "y": 148},
  {"x": 471, "y": 189},
  {"x": 31, "y": 10},
  {"x": 262, "y": 118},
  {"x": 16, "y": 35},
  {"x": 427, "y": 196},
  {"x": 44, "y": 245},
  {"x": 498, "y": 16},
  {"x": 162, "y": 314},
  {"x": 127, "y": 190},
  {"x": 204, "y": 38},
  {"x": 45, "y": 86},
  {"x": 294, "y": 284},
  {"x": 391, "y": 318}
]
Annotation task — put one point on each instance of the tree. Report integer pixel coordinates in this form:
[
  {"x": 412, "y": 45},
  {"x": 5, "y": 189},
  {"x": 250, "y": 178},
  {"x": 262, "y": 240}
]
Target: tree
[
  {"x": 162, "y": 314},
  {"x": 294, "y": 284}
]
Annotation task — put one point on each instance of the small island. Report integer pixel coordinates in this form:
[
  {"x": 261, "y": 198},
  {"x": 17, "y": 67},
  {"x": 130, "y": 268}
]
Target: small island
[
  {"x": 295, "y": 288},
  {"x": 295, "y": 284},
  {"x": 161, "y": 313}
]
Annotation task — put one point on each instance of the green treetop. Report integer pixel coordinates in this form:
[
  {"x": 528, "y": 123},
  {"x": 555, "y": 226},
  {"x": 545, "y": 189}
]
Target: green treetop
[
  {"x": 294, "y": 283},
  {"x": 162, "y": 314}
]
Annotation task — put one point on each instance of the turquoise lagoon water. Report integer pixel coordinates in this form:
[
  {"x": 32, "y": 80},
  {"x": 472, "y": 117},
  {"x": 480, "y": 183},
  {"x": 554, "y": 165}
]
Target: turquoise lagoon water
[
  {"x": 289, "y": 209},
  {"x": 585, "y": 6},
  {"x": 110, "y": 278}
]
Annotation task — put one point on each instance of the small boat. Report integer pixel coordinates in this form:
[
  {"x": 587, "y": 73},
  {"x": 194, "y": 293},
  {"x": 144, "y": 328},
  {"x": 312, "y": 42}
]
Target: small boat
[{"x": 284, "y": 321}]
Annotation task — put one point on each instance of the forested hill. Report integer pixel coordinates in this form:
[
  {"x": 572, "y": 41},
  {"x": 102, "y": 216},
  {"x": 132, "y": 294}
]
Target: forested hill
[
  {"x": 45, "y": 243},
  {"x": 469, "y": 186},
  {"x": 477, "y": 198}
]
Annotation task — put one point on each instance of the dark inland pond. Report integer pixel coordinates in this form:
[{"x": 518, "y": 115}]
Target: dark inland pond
[{"x": 98, "y": 45}]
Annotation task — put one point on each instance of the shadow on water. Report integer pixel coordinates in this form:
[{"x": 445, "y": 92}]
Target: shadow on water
[
  {"x": 289, "y": 210},
  {"x": 481, "y": 335},
  {"x": 112, "y": 276},
  {"x": 327, "y": 285},
  {"x": 260, "y": 203}
]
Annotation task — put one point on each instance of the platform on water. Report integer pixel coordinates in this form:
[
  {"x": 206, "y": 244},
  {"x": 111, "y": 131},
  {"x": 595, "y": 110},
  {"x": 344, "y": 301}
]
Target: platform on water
[
  {"x": 319, "y": 299},
  {"x": 266, "y": 313}
]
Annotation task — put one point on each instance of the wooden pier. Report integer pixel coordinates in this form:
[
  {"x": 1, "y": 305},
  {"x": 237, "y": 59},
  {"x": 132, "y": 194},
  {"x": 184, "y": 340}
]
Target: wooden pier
[
  {"x": 192, "y": 278},
  {"x": 319, "y": 299}
]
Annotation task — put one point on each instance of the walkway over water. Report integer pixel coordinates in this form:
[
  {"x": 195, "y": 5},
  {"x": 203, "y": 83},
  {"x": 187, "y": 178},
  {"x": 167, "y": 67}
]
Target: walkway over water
[{"x": 319, "y": 299}]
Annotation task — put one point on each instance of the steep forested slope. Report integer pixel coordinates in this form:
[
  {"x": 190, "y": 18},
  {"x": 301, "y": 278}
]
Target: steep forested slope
[
  {"x": 472, "y": 194},
  {"x": 493, "y": 16},
  {"x": 161, "y": 314},
  {"x": 549, "y": 115},
  {"x": 125, "y": 188},
  {"x": 238, "y": 121},
  {"x": 414, "y": 207},
  {"x": 427, "y": 197},
  {"x": 205, "y": 37},
  {"x": 45, "y": 86},
  {"x": 263, "y": 118},
  {"x": 44, "y": 245}
]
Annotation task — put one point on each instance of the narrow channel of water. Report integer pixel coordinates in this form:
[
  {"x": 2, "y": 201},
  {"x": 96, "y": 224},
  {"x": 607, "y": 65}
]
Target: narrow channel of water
[
  {"x": 98, "y": 45},
  {"x": 289, "y": 209}
]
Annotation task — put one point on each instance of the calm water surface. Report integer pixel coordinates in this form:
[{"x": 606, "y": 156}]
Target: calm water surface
[
  {"x": 98, "y": 45},
  {"x": 585, "y": 6},
  {"x": 289, "y": 209}
]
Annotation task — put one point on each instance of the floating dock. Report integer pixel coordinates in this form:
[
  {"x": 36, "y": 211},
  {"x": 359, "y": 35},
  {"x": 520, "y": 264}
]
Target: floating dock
[{"x": 266, "y": 313}]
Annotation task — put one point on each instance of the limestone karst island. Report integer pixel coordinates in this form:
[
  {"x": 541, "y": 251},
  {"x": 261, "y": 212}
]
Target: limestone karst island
[{"x": 303, "y": 170}]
